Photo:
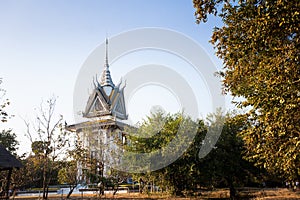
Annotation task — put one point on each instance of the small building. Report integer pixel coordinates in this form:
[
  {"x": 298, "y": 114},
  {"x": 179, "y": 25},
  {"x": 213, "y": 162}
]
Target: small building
[
  {"x": 105, "y": 112},
  {"x": 7, "y": 163}
]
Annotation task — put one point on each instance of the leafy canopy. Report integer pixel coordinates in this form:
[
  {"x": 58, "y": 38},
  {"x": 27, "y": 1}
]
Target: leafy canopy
[
  {"x": 9, "y": 140},
  {"x": 260, "y": 47},
  {"x": 156, "y": 132}
]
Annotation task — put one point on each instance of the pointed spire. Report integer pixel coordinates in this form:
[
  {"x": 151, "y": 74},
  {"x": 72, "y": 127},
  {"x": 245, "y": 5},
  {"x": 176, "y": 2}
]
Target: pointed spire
[
  {"x": 106, "y": 80},
  {"x": 106, "y": 53}
]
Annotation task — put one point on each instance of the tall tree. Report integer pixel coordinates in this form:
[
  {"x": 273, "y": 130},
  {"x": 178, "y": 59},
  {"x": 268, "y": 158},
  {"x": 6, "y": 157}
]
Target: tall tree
[
  {"x": 48, "y": 140},
  {"x": 260, "y": 47},
  {"x": 224, "y": 166}
]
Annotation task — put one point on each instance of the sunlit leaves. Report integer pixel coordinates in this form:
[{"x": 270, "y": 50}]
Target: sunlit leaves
[
  {"x": 260, "y": 47},
  {"x": 158, "y": 131}
]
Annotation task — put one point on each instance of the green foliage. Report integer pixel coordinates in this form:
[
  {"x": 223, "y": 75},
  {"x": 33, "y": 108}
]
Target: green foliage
[
  {"x": 260, "y": 47},
  {"x": 224, "y": 166},
  {"x": 156, "y": 132},
  {"x": 68, "y": 173},
  {"x": 9, "y": 140},
  {"x": 40, "y": 147},
  {"x": 31, "y": 174}
]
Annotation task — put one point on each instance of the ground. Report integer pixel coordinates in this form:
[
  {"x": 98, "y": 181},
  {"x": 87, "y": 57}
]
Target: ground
[{"x": 246, "y": 193}]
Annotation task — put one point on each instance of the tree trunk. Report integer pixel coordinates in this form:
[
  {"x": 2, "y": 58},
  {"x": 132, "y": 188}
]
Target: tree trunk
[
  {"x": 232, "y": 191},
  {"x": 71, "y": 191},
  {"x": 47, "y": 191},
  {"x": 8, "y": 183},
  {"x": 116, "y": 188},
  {"x": 44, "y": 183}
]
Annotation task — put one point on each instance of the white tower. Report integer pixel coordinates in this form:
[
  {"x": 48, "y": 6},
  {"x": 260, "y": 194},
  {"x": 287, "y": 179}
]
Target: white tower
[{"x": 105, "y": 110}]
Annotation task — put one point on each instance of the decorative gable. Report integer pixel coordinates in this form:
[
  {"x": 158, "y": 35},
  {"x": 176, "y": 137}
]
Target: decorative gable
[
  {"x": 118, "y": 106},
  {"x": 98, "y": 104}
]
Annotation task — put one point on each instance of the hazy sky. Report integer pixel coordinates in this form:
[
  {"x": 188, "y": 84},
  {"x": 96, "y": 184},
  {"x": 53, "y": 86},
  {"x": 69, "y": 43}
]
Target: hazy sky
[{"x": 43, "y": 45}]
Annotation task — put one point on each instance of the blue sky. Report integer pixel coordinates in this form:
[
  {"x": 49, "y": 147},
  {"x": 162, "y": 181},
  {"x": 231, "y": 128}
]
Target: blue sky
[{"x": 43, "y": 45}]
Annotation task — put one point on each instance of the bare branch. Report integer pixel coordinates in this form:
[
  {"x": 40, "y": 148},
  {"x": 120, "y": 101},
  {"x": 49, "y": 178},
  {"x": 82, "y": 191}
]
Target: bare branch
[{"x": 28, "y": 133}]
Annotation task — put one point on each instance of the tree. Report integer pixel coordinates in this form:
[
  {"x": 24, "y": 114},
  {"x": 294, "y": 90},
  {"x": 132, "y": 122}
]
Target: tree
[
  {"x": 179, "y": 177},
  {"x": 68, "y": 173},
  {"x": 260, "y": 47},
  {"x": 48, "y": 141},
  {"x": 30, "y": 175},
  {"x": 224, "y": 166},
  {"x": 7, "y": 137},
  {"x": 9, "y": 141}
]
